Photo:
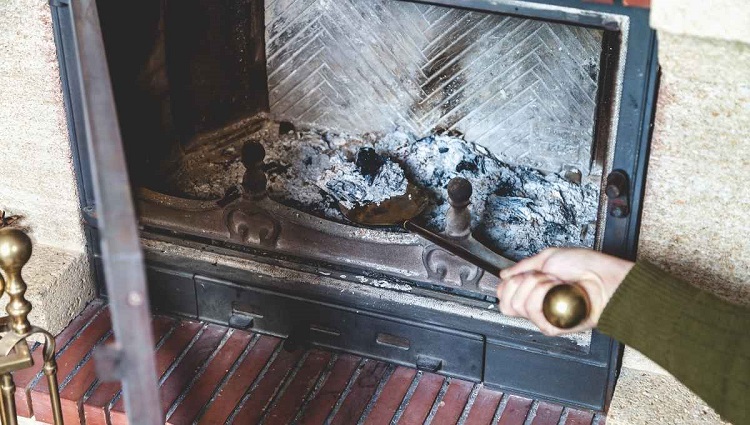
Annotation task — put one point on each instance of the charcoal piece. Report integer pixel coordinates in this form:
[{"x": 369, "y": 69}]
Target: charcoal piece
[
  {"x": 285, "y": 127},
  {"x": 369, "y": 163},
  {"x": 466, "y": 166}
]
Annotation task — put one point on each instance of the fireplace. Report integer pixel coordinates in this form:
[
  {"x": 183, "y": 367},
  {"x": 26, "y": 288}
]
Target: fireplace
[{"x": 544, "y": 107}]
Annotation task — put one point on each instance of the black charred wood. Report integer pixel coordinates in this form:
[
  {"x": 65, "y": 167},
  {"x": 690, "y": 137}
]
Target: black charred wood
[{"x": 369, "y": 162}]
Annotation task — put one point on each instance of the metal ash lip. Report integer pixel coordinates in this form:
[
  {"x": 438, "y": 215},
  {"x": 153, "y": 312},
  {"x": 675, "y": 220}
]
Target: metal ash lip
[{"x": 516, "y": 210}]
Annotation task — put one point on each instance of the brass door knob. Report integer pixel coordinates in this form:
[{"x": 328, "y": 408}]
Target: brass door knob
[{"x": 566, "y": 306}]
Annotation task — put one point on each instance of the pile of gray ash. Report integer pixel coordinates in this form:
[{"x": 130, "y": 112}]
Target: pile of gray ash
[{"x": 517, "y": 210}]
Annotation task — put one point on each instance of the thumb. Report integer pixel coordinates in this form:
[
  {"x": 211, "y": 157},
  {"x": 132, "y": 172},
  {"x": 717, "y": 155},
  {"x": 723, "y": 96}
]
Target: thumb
[{"x": 535, "y": 263}]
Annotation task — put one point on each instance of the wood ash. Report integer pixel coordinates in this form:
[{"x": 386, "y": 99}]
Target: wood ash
[
  {"x": 372, "y": 178},
  {"x": 516, "y": 210}
]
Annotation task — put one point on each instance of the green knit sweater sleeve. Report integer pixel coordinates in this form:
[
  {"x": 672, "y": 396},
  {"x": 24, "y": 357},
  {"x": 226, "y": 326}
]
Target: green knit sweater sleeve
[{"x": 699, "y": 338}]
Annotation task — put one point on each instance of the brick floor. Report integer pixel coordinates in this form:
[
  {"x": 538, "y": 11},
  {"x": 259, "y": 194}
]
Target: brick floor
[{"x": 213, "y": 375}]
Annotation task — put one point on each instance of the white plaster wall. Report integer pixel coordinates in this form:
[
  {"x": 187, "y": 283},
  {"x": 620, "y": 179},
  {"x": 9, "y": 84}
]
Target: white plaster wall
[
  {"x": 720, "y": 19},
  {"x": 695, "y": 209},
  {"x": 695, "y": 218},
  {"x": 37, "y": 180}
]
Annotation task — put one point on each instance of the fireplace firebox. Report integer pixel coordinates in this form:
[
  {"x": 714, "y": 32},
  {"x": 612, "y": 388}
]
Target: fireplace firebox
[{"x": 245, "y": 123}]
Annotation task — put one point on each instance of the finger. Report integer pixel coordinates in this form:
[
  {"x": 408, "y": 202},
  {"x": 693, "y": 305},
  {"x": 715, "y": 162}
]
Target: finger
[
  {"x": 534, "y": 263},
  {"x": 526, "y": 285},
  {"x": 505, "y": 294},
  {"x": 534, "y": 306}
]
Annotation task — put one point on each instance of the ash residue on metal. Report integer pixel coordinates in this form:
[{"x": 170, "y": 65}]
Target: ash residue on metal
[
  {"x": 516, "y": 210},
  {"x": 372, "y": 178}
]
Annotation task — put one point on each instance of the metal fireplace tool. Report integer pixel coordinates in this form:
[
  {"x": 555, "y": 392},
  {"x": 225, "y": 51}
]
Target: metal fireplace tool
[
  {"x": 15, "y": 251},
  {"x": 565, "y": 305}
]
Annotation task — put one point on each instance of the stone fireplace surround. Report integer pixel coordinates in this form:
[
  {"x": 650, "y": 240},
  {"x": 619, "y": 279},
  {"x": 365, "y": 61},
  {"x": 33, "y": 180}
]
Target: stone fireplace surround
[{"x": 691, "y": 55}]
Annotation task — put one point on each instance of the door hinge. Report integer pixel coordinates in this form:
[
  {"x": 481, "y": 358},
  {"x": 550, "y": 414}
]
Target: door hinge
[{"x": 618, "y": 194}]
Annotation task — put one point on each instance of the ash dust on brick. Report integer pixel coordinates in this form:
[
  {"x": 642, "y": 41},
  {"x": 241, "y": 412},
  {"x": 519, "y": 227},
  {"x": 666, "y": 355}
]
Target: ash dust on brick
[{"x": 517, "y": 210}]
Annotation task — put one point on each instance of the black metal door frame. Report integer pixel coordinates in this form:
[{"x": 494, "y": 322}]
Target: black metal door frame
[{"x": 95, "y": 133}]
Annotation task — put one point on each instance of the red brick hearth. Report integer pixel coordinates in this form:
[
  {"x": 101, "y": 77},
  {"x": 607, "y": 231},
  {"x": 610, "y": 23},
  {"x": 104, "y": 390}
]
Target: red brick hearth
[{"x": 213, "y": 374}]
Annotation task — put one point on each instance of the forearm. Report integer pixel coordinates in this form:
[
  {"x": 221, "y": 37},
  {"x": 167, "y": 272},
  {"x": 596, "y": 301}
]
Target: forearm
[{"x": 702, "y": 340}]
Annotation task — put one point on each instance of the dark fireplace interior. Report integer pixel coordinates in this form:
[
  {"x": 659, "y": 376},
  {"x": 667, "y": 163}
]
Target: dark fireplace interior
[
  {"x": 508, "y": 103},
  {"x": 351, "y": 101}
]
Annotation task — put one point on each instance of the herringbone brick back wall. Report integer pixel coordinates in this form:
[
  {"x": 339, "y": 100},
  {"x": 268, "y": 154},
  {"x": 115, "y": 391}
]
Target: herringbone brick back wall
[{"x": 525, "y": 89}]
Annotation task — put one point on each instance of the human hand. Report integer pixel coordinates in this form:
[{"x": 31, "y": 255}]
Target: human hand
[{"x": 525, "y": 284}]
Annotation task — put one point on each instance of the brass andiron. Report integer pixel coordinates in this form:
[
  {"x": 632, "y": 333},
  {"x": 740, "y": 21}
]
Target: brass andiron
[{"x": 15, "y": 251}]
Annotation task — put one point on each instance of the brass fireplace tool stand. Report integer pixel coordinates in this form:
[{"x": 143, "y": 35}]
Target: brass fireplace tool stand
[{"x": 15, "y": 251}]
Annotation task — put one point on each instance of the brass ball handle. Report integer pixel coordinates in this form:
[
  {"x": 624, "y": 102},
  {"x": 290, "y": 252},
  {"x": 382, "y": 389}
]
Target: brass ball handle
[{"x": 566, "y": 306}]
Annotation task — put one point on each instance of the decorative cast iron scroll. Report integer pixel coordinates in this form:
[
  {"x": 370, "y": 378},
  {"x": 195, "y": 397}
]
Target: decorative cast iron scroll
[
  {"x": 252, "y": 226},
  {"x": 250, "y": 217},
  {"x": 254, "y": 220},
  {"x": 439, "y": 263}
]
